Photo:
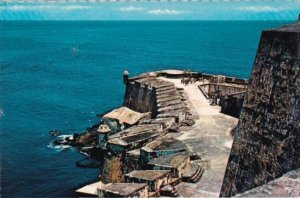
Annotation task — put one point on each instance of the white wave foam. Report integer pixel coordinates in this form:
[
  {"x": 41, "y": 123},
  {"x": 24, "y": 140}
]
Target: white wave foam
[
  {"x": 58, "y": 147},
  {"x": 1, "y": 112},
  {"x": 84, "y": 153},
  {"x": 65, "y": 136}
]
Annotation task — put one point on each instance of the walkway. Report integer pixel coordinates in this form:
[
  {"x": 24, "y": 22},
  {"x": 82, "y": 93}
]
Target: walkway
[{"x": 210, "y": 137}]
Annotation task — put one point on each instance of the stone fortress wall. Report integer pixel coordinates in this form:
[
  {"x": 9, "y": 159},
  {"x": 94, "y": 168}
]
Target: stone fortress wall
[{"x": 267, "y": 138}]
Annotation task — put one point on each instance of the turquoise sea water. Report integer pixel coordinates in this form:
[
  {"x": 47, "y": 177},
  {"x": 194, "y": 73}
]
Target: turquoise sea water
[{"x": 59, "y": 75}]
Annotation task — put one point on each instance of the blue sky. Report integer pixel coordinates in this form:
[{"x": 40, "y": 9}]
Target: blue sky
[{"x": 218, "y": 10}]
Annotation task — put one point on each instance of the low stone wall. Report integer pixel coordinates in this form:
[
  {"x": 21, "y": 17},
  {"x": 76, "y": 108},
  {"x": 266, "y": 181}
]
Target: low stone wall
[
  {"x": 199, "y": 75},
  {"x": 223, "y": 89}
]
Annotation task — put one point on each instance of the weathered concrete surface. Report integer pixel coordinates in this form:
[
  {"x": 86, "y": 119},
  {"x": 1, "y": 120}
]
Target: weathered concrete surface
[
  {"x": 287, "y": 185},
  {"x": 210, "y": 137},
  {"x": 267, "y": 140}
]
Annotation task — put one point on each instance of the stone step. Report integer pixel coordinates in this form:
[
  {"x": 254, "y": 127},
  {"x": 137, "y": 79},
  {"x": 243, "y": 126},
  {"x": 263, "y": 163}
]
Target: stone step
[
  {"x": 176, "y": 97},
  {"x": 188, "y": 122},
  {"x": 166, "y": 95},
  {"x": 171, "y": 107},
  {"x": 194, "y": 174},
  {"x": 171, "y": 89},
  {"x": 165, "y": 88},
  {"x": 197, "y": 171},
  {"x": 197, "y": 177},
  {"x": 167, "y": 92},
  {"x": 170, "y": 114},
  {"x": 177, "y": 109},
  {"x": 167, "y": 103},
  {"x": 164, "y": 85}
]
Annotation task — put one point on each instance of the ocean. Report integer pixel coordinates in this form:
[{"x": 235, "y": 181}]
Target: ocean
[{"x": 61, "y": 74}]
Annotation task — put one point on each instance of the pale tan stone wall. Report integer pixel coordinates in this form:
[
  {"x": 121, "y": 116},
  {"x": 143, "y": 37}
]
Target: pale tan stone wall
[{"x": 112, "y": 170}]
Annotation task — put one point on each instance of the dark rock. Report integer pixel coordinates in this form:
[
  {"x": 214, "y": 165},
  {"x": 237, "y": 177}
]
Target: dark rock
[
  {"x": 54, "y": 133},
  {"x": 88, "y": 163}
]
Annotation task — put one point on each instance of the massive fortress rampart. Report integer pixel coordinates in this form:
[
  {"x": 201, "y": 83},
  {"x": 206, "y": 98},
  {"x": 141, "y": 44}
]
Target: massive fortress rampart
[{"x": 267, "y": 138}]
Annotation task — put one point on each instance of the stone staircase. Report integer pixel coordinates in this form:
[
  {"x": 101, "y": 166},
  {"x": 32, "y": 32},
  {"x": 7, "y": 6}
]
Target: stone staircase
[
  {"x": 169, "y": 101},
  {"x": 168, "y": 89},
  {"x": 172, "y": 107},
  {"x": 193, "y": 175},
  {"x": 176, "y": 97}
]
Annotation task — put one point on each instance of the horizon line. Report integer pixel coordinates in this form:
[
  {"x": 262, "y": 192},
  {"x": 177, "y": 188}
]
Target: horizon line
[{"x": 236, "y": 20}]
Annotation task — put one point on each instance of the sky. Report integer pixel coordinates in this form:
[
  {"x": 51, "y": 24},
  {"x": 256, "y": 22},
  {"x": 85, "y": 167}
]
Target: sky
[{"x": 150, "y": 10}]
